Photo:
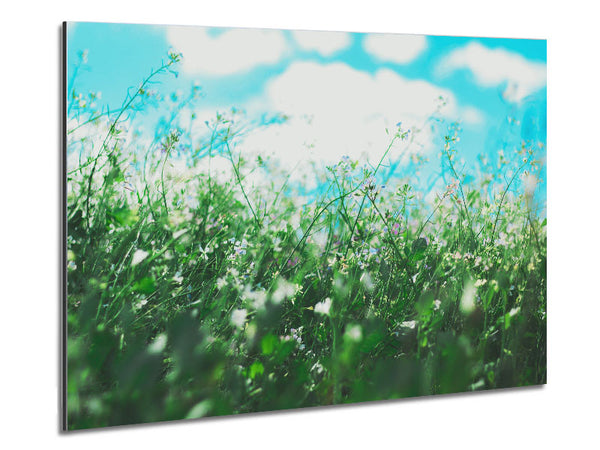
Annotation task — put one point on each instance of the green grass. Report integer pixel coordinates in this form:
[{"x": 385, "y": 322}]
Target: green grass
[{"x": 191, "y": 295}]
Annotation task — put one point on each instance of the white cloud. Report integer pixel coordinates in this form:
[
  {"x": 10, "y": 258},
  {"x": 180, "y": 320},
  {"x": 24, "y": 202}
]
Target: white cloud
[
  {"x": 232, "y": 51},
  {"x": 324, "y": 42},
  {"x": 336, "y": 110},
  {"x": 338, "y": 90},
  {"x": 397, "y": 48},
  {"x": 497, "y": 67}
]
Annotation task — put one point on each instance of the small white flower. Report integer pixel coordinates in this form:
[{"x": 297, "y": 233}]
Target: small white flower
[
  {"x": 354, "y": 332},
  {"x": 138, "y": 257},
  {"x": 284, "y": 290},
  {"x": 502, "y": 239},
  {"x": 530, "y": 183},
  {"x": 258, "y": 298},
  {"x": 317, "y": 367},
  {"x": 323, "y": 307},
  {"x": 410, "y": 324},
  {"x": 295, "y": 220},
  {"x": 158, "y": 344},
  {"x": 238, "y": 317},
  {"x": 141, "y": 303}
]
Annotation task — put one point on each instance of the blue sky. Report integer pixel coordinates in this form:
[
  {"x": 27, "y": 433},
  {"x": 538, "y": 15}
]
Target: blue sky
[{"x": 340, "y": 90}]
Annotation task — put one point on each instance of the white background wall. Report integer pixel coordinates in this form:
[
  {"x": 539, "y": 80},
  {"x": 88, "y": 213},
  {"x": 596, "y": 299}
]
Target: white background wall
[{"x": 563, "y": 413}]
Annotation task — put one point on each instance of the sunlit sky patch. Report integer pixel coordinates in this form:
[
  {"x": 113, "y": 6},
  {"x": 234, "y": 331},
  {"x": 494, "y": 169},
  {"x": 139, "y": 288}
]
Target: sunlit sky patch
[{"x": 339, "y": 90}]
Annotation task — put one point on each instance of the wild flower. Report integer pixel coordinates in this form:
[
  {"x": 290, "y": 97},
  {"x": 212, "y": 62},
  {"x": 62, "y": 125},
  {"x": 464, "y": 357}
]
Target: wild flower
[
  {"x": 177, "y": 278},
  {"x": 502, "y": 239},
  {"x": 295, "y": 220},
  {"x": 204, "y": 252},
  {"x": 323, "y": 307},
  {"x": 293, "y": 262},
  {"x": 284, "y": 290},
  {"x": 354, "y": 332},
  {"x": 297, "y": 336},
  {"x": 369, "y": 184},
  {"x": 238, "y": 318},
  {"x": 142, "y": 303},
  {"x": 409, "y": 324},
  {"x": 138, "y": 257},
  {"x": 257, "y": 297},
  {"x": 158, "y": 344},
  {"x": 221, "y": 283},
  {"x": 317, "y": 368},
  {"x": 240, "y": 247},
  {"x": 530, "y": 183}
]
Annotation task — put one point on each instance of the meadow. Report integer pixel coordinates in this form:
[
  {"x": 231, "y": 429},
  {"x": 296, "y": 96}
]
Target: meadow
[{"x": 194, "y": 294}]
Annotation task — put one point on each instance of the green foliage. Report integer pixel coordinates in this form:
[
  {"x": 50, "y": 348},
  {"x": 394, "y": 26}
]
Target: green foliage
[{"x": 191, "y": 295}]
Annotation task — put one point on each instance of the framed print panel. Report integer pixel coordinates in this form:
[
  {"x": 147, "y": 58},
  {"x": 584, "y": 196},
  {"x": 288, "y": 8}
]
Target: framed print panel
[{"x": 259, "y": 220}]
